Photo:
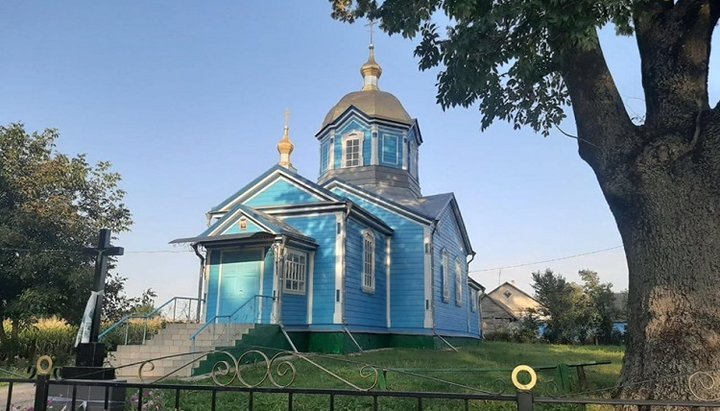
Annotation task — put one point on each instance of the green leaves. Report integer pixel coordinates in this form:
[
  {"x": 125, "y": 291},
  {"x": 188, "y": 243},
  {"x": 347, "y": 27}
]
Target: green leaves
[
  {"x": 506, "y": 55},
  {"x": 51, "y": 205}
]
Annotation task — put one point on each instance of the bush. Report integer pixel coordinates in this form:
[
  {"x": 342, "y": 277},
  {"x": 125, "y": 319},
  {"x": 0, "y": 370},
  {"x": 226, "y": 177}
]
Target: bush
[{"x": 47, "y": 336}]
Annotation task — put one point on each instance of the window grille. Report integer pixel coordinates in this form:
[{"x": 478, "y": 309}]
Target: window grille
[
  {"x": 352, "y": 151},
  {"x": 294, "y": 273}
]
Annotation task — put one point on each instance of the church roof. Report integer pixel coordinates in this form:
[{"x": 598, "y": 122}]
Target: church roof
[
  {"x": 427, "y": 209},
  {"x": 269, "y": 224},
  {"x": 374, "y": 103}
]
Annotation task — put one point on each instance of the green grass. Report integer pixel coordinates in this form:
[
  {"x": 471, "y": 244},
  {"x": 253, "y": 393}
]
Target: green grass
[{"x": 484, "y": 368}]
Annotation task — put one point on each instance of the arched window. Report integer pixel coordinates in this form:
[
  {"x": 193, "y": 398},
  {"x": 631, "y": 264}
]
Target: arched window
[
  {"x": 458, "y": 281},
  {"x": 368, "y": 275},
  {"x": 352, "y": 150},
  {"x": 445, "y": 268}
]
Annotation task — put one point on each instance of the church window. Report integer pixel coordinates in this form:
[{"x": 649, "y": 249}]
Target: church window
[
  {"x": 352, "y": 150},
  {"x": 458, "y": 281},
  {"x": 474, "y": 300},
  {"x": 324, "y": 155},
  {"x": 368, "y": 262},
  {"x": 390, "y": 149},
  {"x": 445, "y": 268},
  {"x": 294, "y": 282}
]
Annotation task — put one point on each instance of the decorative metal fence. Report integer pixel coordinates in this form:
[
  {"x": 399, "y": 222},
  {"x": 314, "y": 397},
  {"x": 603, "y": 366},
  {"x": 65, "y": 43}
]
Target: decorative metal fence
[{"x": 269, "y": 385}]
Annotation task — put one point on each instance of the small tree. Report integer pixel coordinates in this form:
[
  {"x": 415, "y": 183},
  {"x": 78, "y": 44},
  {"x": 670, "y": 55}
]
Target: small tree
[
  {"x": 564, "y": 307},
  {"x": 602, "y": 304},
  {"x": 51, "y": 205}
]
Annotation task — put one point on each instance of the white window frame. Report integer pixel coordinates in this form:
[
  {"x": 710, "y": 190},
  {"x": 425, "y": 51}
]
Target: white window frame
[
  {"x": 458, "y": 282},
  {"x": 355, "y": 135},
  {"x": 445, "y": 268},
  {"x": 295, "y": 270},
  {"x": 325, "y": 148},
  {"x": 368, "y": 261}
]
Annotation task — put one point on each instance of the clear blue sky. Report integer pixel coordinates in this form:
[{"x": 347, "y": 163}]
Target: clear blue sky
[{"x": 186, "y": 99}]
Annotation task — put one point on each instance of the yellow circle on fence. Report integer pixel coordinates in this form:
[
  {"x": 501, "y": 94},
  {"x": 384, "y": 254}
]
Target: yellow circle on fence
[
  {"x": 44, "y": 365},
  {"x": 533, "y": 378}
]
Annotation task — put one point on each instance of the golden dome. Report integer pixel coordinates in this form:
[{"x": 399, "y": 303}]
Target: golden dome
[
  {"x": 371, "y": 71},
  {"x": 285, "y": 146},
  {"x": 374, "y": 103}
]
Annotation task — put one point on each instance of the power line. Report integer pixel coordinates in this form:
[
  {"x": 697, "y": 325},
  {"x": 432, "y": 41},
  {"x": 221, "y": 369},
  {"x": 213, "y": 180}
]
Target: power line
[
  {"x": 68, "y": 251},
  {"x": 547, "y": 261}
]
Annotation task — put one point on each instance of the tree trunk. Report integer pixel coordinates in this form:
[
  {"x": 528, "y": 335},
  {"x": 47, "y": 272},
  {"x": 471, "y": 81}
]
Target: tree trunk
[{"x": 666, "y": 202}]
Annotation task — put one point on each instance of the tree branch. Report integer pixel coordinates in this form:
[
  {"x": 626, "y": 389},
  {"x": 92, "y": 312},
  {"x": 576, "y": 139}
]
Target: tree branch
[
  {"x": 674, "y": 44},
  {"x": 600, "y": 114}
]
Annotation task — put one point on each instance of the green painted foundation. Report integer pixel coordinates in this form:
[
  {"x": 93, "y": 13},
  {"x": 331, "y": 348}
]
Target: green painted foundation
[{"x": 270, "y": 340}]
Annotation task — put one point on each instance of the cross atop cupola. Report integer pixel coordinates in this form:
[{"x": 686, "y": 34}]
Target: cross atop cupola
[{"x": 371, "y": 70}]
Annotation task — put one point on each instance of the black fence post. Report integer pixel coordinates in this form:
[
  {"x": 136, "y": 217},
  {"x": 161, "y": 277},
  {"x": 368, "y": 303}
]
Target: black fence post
[
  {"x": 525, "y": 401},
  {"x": 41, "y": 393}
]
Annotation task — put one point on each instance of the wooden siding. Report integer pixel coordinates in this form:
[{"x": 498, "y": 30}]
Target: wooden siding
[
  {"x": 449, "y": 317},
  {"x": 322, "y": 229},
  {"x": 235, "y": 228},
  {"x": 363, "y": 308},
  {"x": 407, "y": 290},
  {"x": 391, "y": 155},
  {"x": 280, "y": 192},
  {"x": 267, "y": 286},
  {"x": 211, "y": 307}
]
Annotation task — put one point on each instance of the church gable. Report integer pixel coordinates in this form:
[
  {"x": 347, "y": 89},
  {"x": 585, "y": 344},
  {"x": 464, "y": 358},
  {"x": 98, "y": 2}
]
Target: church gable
[
  {"x": 236, "y": 221},
  {"x": 277, "y": 187}
]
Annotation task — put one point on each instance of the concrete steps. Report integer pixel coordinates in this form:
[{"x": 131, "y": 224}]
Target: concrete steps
[{"x": 174, "y": 342}]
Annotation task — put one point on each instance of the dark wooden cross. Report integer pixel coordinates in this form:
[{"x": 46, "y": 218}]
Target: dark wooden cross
[{"x": 102, "y": 251}]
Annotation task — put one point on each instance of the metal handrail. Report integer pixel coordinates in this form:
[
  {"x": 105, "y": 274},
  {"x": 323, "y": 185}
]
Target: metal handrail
[
  {"x": 215, "y": 318},
  {"x": 125, "y": 320}
]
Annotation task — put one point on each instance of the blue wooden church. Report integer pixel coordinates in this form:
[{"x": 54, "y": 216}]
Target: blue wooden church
[{"x": 360, "y": 253}]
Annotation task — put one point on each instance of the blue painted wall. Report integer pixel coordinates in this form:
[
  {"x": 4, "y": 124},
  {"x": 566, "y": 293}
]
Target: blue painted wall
[
  {"x": 323, "y": 229},
  {"x": 449, "y": 317},
  {"x": 235, "y": 228},
  {"x": 407, "y": 287},
  {"x": 268, "y": 276},
  {"x": 213, "y": 257},
  {"x": 281, "y": 192},
  {"x": 363, "y": 308}
]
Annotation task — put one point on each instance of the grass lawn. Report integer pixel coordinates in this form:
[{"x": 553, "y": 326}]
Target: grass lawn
[{"x": 486, "y": 368}]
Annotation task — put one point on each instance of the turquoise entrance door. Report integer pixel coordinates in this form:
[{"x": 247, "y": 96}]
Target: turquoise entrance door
[{"x": 239, "y": 286}]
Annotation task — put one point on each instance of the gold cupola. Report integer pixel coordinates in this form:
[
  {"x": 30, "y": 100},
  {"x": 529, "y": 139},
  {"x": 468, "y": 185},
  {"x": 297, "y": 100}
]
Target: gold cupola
[
  {"x": 371, "y": 71},
  {"x": 285, "y": 147}
]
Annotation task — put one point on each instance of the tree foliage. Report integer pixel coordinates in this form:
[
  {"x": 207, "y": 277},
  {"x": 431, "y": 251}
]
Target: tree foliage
[
  {"x": 575, "y": 313},
  {"x": 505, "y": 54},
  {"x": 51, "y": 205},
  {"x": 526, "y": 62},
  {"x": 116, "y": 303}
]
